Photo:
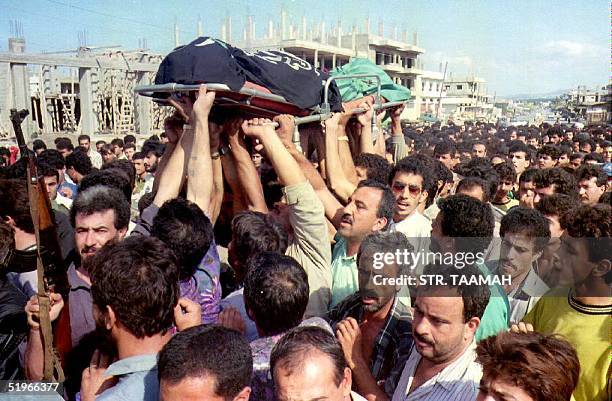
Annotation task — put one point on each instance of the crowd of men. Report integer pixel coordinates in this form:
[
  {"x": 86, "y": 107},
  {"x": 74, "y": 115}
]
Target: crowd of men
[{"x": 223, "y": 261}]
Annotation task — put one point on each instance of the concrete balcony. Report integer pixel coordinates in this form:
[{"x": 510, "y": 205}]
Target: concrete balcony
[{"x": 393, "y": 67}]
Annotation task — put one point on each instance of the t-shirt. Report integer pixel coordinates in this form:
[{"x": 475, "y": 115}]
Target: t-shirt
[
  {"x": 345, "y": 279},
  {"x": 506, "y": 206},
  {"x": 588, "y": 329}
]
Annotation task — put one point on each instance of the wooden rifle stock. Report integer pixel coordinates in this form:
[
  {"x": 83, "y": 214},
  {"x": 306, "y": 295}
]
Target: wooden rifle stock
[{"x": 52, "y": 276}]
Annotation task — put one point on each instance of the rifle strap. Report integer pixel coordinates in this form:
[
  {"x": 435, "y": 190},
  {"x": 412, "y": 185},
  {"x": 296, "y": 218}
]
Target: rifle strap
[{"x": 51, "y": 361}]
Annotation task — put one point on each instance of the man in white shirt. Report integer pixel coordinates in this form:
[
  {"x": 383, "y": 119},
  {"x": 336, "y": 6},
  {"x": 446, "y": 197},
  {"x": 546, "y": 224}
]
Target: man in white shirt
[
  {"x": 94, "y": 155},
  {"x": 442, "y": 366},
  {"x": 411, "y": 184}
]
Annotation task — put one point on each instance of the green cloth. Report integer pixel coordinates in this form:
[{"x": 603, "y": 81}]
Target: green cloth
[
  {"x": 351, "y": 89},
  {"x": 496, "y": 316}
]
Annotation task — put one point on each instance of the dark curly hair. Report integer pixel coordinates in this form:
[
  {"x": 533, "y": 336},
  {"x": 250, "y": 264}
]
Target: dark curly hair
[
  {"x": 275, "y": 292},
  {"x": 377, "y": 167},
  {"x": 186, "y": 231},
  {"x": 100, "y": 198},
  {"x": 79, "y": 161},
  {"x": 64, "y": 143},
  {"x": 588, "y": 171},
  {"x": 112, "y": 177},
  {"x": 563, "y": 182},
  {"x": 546, "y": 367},
  {"x": 481, "y": 168},
  {"x": 188, "y": 355},
  {"x": 53, "y": 158},
  {"x": 475, "y": 297},
  {"x": 138, "y": 279},
  {"x": 593, "y": 223},
  {"x": 556, "y": 205},
  {"x": 124, "y": 165},
  {"x": 529, "y": 222},
  {"x": 256, "y": 232},
  {"x": 505, "y": 171},
  {"x": 550, "y": 150},
  {"x": 15, "y": 203},
  {"x": 468, "y": 220}
]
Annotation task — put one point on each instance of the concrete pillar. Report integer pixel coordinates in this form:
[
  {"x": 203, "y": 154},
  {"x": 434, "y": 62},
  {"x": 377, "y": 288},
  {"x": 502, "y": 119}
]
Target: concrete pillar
[
  {"x": 334, "y": 60},
  {"x": 224, "y": 32},
  {"x": 143, "y": 109},
  {"x": 367, "y": 25},
  {"x": 21, "y": 96},
  {"x": 405, "y": 36},
  {"x": 323, "y": 33},
  {"x": 270, "y": 29},
  {"x": 200, "y": 29},
  {"x": 316, "y": 58},
  {"x": 303, "y": 29},
  {"x": 89, "y": 123},
  {"x": 339, "y": 37},
  {"x": 229, "y": 29},
  {"x": 381, "y": 28},
  {"x": 283, "y": 24}
]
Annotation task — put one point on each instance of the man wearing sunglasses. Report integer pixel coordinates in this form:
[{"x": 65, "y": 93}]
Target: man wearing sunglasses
[{"x": 411, "y": 182}]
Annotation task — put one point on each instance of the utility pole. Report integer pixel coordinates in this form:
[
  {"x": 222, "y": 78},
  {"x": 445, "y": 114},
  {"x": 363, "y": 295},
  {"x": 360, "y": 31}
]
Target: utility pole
[{"x": 441, "y": 89}]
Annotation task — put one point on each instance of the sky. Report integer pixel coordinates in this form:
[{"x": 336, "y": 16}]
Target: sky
[{"x": 518, "y": 46}]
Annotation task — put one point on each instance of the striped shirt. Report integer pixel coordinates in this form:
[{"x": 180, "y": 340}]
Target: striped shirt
[{"x": 457, "y": 382}]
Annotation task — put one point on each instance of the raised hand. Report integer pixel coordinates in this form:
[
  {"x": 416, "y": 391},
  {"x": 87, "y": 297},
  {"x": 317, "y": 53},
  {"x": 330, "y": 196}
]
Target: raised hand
[
  {"x": 365, "y": 119},
  {"x": 286, "y": 126},
  {"x": 521, "y": 327},
  {"x": 257, "y": 127},
  {"x": 231, "y": 319},
  {"x": 203, "y": 104},
  {"x": 187, "y": 314},
  {"x": 32, "y": 309},
  {"x": 348, "y": 334},
  {"x": 94, "y": 380}
]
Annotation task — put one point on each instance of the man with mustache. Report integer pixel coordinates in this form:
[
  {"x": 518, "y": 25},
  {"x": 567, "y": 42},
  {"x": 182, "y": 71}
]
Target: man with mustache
[
  {"x": 100, "y": 214},
  {"x": 372, "y": 326},
  {"x": 442, "y": 363},
  {"x": 525, "y": 233}
]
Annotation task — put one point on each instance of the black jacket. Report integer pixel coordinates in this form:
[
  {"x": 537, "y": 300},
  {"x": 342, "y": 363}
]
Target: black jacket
[{"x": 13, "y": 329}]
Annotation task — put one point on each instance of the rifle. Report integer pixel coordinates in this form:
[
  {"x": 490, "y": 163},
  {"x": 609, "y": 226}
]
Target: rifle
[{"x": 51, "y": 277}]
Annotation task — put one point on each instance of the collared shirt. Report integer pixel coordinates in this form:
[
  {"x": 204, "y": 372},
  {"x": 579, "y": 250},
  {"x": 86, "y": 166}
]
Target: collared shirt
[
  {"x": 457, "y": 382},
  {"x": 495, "y": 318},
  {"x": 80, "y": 306},
  {"x": 344, "y": 272},
  {"x": 393, "y": 342},
  {"x": 137, "y": 379},
  {"x": 262, "y": 385},
  {"x": 524, "y": 297},
  {"x": 309, "y": 244}
]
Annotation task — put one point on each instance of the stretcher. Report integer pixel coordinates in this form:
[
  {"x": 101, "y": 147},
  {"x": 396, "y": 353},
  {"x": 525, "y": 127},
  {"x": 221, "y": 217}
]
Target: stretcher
[{"x": 256, "y": 101}]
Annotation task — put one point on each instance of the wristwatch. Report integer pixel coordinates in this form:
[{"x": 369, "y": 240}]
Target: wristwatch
[{"x": 223, "y": 150}]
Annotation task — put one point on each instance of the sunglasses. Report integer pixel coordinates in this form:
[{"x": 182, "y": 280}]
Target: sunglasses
[{"x": 414, "y": 190}]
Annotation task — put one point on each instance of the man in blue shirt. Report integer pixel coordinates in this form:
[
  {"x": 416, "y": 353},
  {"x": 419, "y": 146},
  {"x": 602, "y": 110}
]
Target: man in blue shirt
[{"x": 135, "y": 290}]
